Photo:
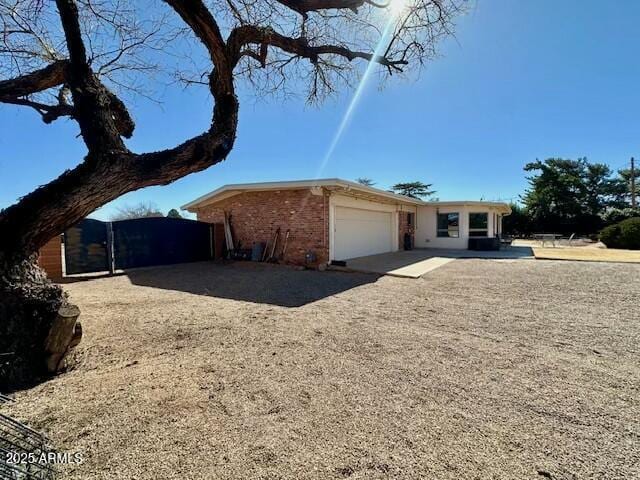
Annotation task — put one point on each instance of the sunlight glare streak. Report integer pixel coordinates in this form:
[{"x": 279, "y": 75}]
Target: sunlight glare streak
[{"x": 395, "y": 8}]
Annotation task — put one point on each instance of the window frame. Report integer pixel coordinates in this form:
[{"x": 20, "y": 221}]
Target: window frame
[
  {"x": 446, "y": 232},
  {"x": 479, "y": 232}
]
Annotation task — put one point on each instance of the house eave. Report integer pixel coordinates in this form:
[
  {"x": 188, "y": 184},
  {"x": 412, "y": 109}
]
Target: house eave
[
  {"x": 501, "y": 207},
  {"x": 331, "y": 184}
]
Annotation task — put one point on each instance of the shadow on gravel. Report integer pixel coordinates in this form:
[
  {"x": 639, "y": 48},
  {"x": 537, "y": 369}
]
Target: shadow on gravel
[{"x": 250, "y": 282}]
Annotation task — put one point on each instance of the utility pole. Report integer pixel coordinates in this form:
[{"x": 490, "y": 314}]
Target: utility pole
[{"x": 633, "y": 183}]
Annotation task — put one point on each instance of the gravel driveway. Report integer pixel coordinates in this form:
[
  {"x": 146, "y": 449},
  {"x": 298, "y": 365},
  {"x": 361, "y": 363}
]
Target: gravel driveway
[{"x": 482, "y": 369}]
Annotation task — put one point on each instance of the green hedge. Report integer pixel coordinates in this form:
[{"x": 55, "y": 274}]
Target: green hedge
[{"x": 625, "y": 234}]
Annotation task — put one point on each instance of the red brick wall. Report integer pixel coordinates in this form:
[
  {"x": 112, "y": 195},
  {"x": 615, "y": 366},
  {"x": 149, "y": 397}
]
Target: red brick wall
[
  {"x": 404, "y": 227},
  {"x": 255, "y": 216},
  {"x": 218, "y": 240},
  {"x": 50, "y": 258}
]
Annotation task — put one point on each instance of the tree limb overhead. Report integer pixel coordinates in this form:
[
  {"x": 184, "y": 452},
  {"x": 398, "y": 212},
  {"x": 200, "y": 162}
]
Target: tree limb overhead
[
  {"x": 249, "y": 34},
  {"x": 50, "y": 76}
]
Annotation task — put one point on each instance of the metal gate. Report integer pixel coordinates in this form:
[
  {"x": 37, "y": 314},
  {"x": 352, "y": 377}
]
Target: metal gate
[
  {"x": 159, "y": 241},
  {"x": 85, "y": 247},
  {"x": 95, "y": 246}
]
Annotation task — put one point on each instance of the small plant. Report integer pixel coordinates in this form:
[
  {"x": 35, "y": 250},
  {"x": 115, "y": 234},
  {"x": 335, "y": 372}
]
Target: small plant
[{"x": 625, "y": 234}]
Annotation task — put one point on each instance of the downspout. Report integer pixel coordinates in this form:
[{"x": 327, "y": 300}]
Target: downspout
[{"x": 325, "y": 201}]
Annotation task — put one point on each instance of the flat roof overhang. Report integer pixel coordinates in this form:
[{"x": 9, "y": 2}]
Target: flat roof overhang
[
  {"x": 331, "y": 184},
  {"x": 335, "y": 185}
]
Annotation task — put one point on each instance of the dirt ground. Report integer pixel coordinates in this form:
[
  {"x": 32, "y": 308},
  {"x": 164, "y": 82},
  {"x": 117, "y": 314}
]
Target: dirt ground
[{"x": 522, "y": 369}]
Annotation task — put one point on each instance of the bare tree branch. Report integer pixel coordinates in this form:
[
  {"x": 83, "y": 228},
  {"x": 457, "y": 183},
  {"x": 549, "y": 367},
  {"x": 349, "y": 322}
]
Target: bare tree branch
[
  {"x": 305, "y": 6},
  {"x": 49, "y": 113},
  {"x": 50, "y": 76},
  {"x": 101, "y": 115},
  {"x": 249, "y": 34}
]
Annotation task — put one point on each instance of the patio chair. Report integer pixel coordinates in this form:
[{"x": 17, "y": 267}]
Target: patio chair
[{"x": 506, "y": 241}]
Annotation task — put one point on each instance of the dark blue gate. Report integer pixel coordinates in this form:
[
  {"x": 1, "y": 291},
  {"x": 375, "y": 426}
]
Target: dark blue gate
[
  {"x": 95, "y": 246},
  {"x": 150, "y": 241},
  {"x": 85, "y": 247}
]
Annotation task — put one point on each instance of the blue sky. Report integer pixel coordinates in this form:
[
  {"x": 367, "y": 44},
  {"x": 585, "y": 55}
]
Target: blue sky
[{"x": 521, "y": 80}]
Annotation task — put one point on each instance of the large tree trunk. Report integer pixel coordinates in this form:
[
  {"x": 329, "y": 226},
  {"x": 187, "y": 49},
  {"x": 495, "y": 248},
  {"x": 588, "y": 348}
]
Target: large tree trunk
[{"x": 29, "y": 303}]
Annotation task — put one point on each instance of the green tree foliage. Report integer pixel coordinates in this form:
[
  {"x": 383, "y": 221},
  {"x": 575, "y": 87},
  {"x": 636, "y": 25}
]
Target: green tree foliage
[
  {"x": 610, "y": 236},
  {"x": 568, "y": 196},
  {"x": 630, "y": 233},
  {"x": 622, "y": 188},
  {"x": 173, "y": 213},
  {"x": 616, "y": 215},
  {"x": 413, "y": 189},
  {"x": 625, "y": 234},
  {"x": 367, "y": 182},
  {"x": 518, "y": 222}
]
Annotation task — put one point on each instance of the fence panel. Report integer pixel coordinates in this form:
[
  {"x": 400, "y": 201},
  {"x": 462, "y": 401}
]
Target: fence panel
[
  {"x": 85, "y": 247},
  {"x": 159, "y": 241}
]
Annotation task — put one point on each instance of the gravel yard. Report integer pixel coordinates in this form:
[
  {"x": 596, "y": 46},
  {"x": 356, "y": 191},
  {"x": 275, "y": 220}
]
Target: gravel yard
[{"x": 516, "y": 369}]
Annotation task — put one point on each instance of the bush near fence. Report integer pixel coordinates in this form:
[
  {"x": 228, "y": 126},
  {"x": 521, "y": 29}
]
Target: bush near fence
[{"x": 625, "y": 234}]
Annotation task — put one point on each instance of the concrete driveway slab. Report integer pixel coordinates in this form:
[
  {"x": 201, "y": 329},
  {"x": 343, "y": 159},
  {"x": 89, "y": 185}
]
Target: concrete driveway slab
[{"x": 418, "y": 262}]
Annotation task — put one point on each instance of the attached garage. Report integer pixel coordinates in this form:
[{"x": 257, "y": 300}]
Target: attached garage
[
  {"x": 360, "y": 232},
  {"x": 361, "y": 226}
]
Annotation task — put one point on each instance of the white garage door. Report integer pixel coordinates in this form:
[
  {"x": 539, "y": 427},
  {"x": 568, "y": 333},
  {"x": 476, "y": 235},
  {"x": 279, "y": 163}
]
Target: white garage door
[{"x": 361, "y": 232}]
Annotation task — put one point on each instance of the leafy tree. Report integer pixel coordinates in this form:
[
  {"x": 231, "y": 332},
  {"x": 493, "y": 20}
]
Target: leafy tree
[
  {"x": 518, "y": 223},
  {"x": 599, "y": 188},
  {"x": 365, "y": 181},
  {"x": 173, "y": 213},
  {"x": 621, "y": 188},
  {"x": 77, "y": 58},
  {"x": 568, "y": 196},
  {"x": 616, "y": 215},
  {"x": 413, "y": 189},
  {"x": 140, "y": 210}
]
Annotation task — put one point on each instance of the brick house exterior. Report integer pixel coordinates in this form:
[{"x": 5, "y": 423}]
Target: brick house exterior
[
  {"x": 404, "y": 226},
  {"x": 337, "y": 220},
  {"x": 255, "y": 216}
]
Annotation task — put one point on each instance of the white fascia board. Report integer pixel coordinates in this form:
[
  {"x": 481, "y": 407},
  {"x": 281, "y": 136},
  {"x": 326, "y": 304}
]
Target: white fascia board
[
  {"x": 502, "y": 207},
  {"x": 292, "y": 185}
]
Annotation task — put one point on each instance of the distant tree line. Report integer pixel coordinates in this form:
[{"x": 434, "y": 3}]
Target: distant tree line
[
  {"x": 408, "y": 189},
  {"x": 571, "y": 196},
  {"x": 142, "y": 210}
]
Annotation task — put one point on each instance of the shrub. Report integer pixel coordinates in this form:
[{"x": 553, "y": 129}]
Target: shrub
[
  {"x": 625, "y": 234},
  {"x": 630, "y": 233},
  {"x": 610, "y": 236}
]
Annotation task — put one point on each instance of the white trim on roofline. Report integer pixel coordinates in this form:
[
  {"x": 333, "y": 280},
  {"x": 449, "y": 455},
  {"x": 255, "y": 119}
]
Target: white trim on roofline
[
  {"x": 228, "y": 190},
  {"x": 503, "y": 207},
  {"x": 296, "y": 184}
]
